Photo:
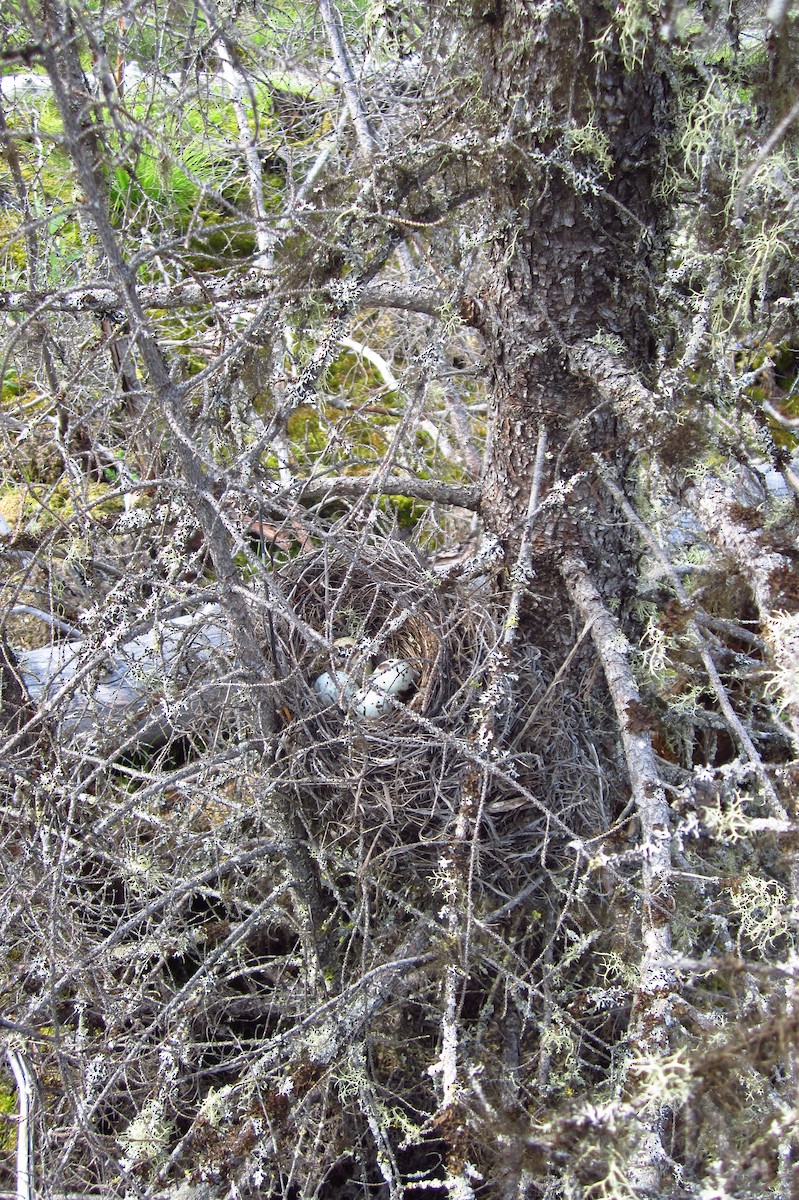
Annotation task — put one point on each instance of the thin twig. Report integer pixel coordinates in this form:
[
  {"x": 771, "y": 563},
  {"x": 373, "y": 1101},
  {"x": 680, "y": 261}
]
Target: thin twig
[
  {"x": 771, "y": 142},
  {"x": 53, "y": 621},
  {"x": 734, "y": 722},
  {"x": 521, "y": 572},
  {"x": 238, "y": 87}
]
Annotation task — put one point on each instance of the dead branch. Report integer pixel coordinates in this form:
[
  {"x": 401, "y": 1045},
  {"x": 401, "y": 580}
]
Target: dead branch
[
  {"x": 367, "y": 142},
  {"x": 107, "y": 299},
  {"x": 461, "y": 496},
  {"x": 106, "y": 696},
  {"x": 26, "y": 1100},
  {"x": 769, "y": 571},
  {"x": 652, "y": 1017}
]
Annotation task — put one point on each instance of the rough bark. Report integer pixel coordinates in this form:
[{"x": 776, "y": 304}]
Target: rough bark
[
  {"x": 578, "y": 232},
  {"x": 575, "y": 243}
]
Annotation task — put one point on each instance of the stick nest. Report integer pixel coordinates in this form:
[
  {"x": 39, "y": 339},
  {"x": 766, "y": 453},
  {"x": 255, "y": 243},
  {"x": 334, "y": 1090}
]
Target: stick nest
[{"x": 384, "y": 604}]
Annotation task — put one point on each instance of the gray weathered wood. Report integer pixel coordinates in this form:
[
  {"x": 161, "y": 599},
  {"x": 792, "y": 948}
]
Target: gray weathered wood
[{"x": 136, "y": 690}]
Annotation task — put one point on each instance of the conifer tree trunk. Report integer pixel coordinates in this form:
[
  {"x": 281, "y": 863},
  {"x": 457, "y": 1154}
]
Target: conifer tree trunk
[
  {"x": 578, "y": 238},
  {"x": 577, "y": 235}
]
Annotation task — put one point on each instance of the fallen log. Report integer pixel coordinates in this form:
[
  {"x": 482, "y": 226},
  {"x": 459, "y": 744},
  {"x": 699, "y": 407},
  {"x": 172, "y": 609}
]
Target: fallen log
[{"x": 140, "y": 692}]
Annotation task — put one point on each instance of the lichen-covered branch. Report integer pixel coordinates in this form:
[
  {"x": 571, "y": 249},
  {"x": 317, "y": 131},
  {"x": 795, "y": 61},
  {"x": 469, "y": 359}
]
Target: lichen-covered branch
[
  {"x": 324, "y": 488},
  {"x": 652, "y": 1019},
  {"x": 734, "y": 722},
  {"x": 768, "y": 568},
  {"x": 106, "y": 298}
]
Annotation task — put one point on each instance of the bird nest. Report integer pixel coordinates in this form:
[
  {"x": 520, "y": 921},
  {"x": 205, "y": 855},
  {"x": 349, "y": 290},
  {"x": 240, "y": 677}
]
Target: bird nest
[{"x": 352, "y": 609}]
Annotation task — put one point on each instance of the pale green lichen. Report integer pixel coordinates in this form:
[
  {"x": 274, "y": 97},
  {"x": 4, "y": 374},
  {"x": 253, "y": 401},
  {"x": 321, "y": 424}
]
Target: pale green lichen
[
  {"x": 659, "y": 1079},
  {"x": 147, "y": 1135},
  {"x": 215, "y": 1108},
  {"x": 783, "y": 630},
  {"x": 592, "y": 143},
  {"x": 761, "y": 907}
]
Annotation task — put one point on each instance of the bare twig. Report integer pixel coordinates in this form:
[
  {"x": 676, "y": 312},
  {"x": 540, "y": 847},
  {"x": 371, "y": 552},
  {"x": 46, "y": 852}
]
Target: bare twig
[
  {"x": 790, "y": 423},
  {"x": 49, "y": 618},
  {"x": 239, "y": 88}
]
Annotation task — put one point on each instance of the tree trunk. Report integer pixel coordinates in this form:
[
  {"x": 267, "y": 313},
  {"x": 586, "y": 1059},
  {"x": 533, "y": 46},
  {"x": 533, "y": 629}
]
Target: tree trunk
[
  {"x": 578, "y": 233},
  {"x": 578, "y": 239}
]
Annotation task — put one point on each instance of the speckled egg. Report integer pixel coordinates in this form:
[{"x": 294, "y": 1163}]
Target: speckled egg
[
  {"x": 344, "y": 646},
  {"x": 370, "y": 703},
  {"x": 393, "y": 676},
  {"x": 330, "y": 685}
]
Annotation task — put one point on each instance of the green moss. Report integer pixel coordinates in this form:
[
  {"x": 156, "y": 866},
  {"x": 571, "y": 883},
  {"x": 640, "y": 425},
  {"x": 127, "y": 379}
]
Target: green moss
[
  {"x": 408, "y": 512},
  {"x": 306, "y": 433},
  {"x": 13, "y": 387},
  {"x": 218, "y": 244},
  {"x": 12, "y": 244},
  {"x": 8, "y": 1109},
  {"x": 303, "y": 418},
  {"x": 773, "y": 375},
  {"x": 42, "y": 510}
]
